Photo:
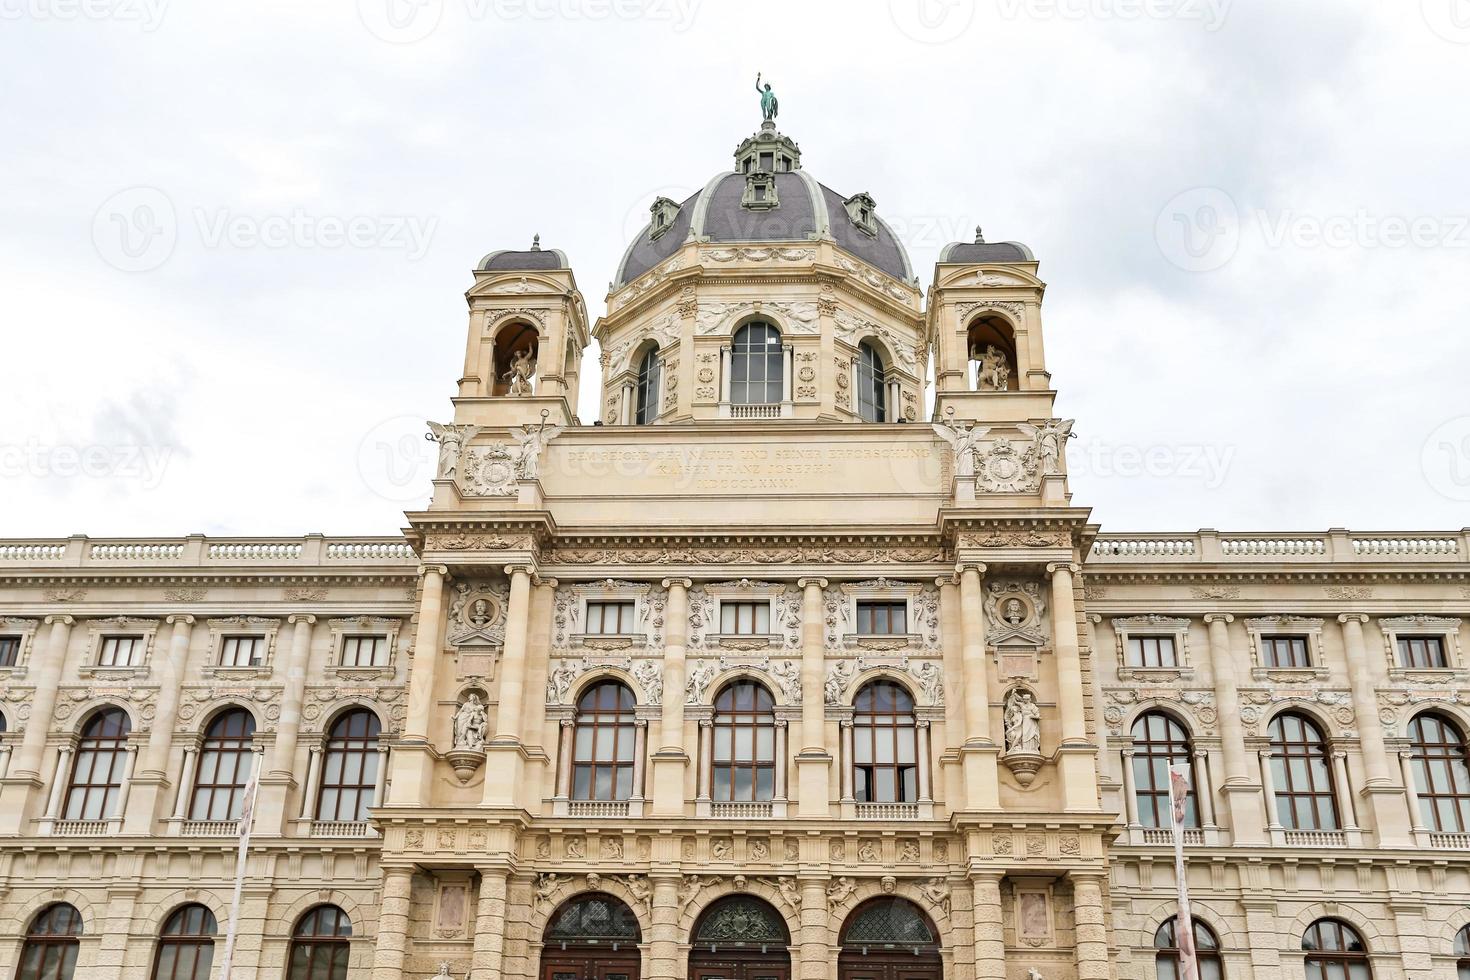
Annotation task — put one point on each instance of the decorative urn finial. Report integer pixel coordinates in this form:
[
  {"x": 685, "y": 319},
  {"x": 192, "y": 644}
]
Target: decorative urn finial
[
  {"x": 536, "y": 242},
  {"x": 979, "y": 236}
]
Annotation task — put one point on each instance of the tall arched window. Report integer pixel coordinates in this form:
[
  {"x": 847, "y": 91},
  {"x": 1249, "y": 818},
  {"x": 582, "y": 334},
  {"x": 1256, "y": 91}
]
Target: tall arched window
[
  {"x": 1462, "y": 954},
  {"x": 224, "y": 767},
  {"x": 1159, "y": 741},
  {"x": 872, "y": 393},
  {"x": 648, "y": 387},
  {"x": 1302, "y": 771},
  {"x": 885, "y": 751},
  {"x": 1335, "y": 951},
  {"x": 1206, "y": 948},
  {"x": 50, "y": 952},
  {"x": 186, "y": 945},
  {"x": 319, "y": 946},
  {"x": 744, "y": 764},
  {"x": 603, "y": 747},
  {"x": 350, "y": 767},
  {"x": 1441, "y": 773},
  {"x": 757, "y": 363},
  {"x": 97, "y": 774}
]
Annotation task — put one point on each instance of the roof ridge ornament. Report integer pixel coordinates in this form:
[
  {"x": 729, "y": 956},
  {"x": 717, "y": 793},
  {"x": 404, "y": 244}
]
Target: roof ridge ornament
[{"x": 536, "y": 242}]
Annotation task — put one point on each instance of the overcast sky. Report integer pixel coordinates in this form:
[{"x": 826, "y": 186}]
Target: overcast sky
[{"x": 1252, "y": 217}]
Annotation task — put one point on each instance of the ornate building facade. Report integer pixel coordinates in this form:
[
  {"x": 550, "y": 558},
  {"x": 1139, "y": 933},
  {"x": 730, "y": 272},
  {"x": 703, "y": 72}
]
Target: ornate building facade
[{"x": 767, "y": 673}]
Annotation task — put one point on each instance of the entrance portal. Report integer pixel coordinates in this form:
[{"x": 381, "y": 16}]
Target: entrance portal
[
  {"x": 591, "y": 937},
  {"x": 740, "y": 937},
  {"x": 889, "y": 939}
]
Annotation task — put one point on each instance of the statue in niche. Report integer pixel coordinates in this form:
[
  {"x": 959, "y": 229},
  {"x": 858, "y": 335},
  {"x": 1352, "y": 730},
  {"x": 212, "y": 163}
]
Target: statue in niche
[
  {"x": 769, "y": 105},
  {"x": 962, "y": 438},
  {"x": 994, "y": 373},
  {"x": 452, "y": 440},
  {"x": 1015, "y": 613},
  {"x": 1023, "y": 723},
  {"x": 522, "y": 366},
  {"x": 1048, "y": 442},
  {"x": 470, "y": 722},
  {"x": 479, "y": 614}
]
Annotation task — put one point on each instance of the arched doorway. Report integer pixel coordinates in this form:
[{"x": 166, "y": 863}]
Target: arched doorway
[
  {"x": 740, "y": 937},
  {"x": 889, "y": 938},
  {"x": 591, "y": 937}
]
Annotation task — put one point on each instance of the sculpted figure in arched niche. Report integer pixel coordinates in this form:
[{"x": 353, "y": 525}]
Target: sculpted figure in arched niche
[{"x": 1023, "y": 723}]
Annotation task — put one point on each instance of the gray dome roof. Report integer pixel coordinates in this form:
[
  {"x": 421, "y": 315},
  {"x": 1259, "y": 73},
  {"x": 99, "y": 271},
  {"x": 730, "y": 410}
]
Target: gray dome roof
[
  {"x": 806, "y": 211},
  {"x": 978, "y": 252},
  {"x": 534, "y": 259}
]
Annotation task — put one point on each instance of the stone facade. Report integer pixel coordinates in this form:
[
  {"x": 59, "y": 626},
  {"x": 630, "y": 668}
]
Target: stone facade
[{"x": 732, "y": 541}]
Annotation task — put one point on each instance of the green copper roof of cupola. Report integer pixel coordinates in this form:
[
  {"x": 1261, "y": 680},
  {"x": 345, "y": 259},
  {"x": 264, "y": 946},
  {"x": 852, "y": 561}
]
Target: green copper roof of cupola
[{"x": 768, "y": 197}]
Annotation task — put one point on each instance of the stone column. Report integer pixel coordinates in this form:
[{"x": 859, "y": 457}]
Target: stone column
[
  {"x": 704, "y": 771},
  {"x": 663, "y": 943},
  {"x": 990, "y": 944},
  {"x": 1092, "y": 934},
  {"x": 670, "y": 761},
  {"x": 1240, "y": 789},
  {"x": 391, "y": 943},
  {"x": 125, "y": 789},
  {"x": 1411, "y": 789},
  {"x": 489, "y": 952},
  {"x": 640, "y": 755},
  {"x": 280, "y": 775},
  {"x": 814, "y": 762},
  {"x": 783, "y": 759},
  {"x": 1386, "y": 800},
  {"x": 1130, "y": 790},
  {"x": 980, "y": 754},
  {"x": 1268, "y": 793},
  {"x": 951, "y": 776},
  {"x": 1344, "y": 791},
  {"x": 59, "y": 780},
  {"x": 925, "y": 761},
  {"x": 413, "y": 764},
  {"x": 845, "y": 760},
  {"x": 1204, "y": 787},
  {"x": 1077, "y": 759},
  {"x": 564, "y": 759},
  {"x": 504, "y": 756},
  {"x": 24, "y": 781},
  {"x": 186, "y": 773},
  {"x": 152, "y": 776},
  {"x": 308, "y": 792},
  {"x": 816, "y": 955}
]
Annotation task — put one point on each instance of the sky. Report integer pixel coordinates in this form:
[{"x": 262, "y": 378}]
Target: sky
[{"x": 235, "y": 237}]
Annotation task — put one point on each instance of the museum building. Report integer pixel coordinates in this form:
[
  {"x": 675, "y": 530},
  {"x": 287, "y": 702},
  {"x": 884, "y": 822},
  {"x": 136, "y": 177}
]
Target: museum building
[{"x": 765, "y": 673}]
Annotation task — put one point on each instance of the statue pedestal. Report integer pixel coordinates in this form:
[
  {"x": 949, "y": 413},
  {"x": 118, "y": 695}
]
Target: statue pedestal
[
  {"x": 1023, "y": 765},
  {"x": 465, "y": 762}
]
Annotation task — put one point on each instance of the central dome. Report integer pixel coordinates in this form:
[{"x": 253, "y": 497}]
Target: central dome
[{"x": 767, "y": 198}]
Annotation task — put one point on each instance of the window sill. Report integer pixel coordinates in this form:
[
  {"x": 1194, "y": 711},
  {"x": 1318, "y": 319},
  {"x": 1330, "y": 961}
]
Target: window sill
[
  {"x": 236, "y": 673},
  {"x": 1156, "y": 673},
  {"x": 881, "y": 641},
  {"x": 1289, "y": 675},
  {"x": 362, "y": 673},
  {"x": 1428, "y": 675},
  {"x": 746, "y": 641},
  {"x": 133, "y": 671},
  {"x": 608, "y": 641}
]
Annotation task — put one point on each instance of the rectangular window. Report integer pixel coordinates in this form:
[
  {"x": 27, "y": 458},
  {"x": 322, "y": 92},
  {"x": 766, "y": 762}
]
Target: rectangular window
[
  {"x": 882, "y": 618},
  {"x": 1152, "y": 651},
  {"x": 364, "y": 651},
  {"x": 242, "y": 651},
  {"x": 1422, "y": 652},
  {"x": 612, "y": 618},
  {"x": 745, "y": 617},
  {"x": 9, "y": 650},
  {"x": 1285, "y": 651},
  {"x": 121, "y": 651}
]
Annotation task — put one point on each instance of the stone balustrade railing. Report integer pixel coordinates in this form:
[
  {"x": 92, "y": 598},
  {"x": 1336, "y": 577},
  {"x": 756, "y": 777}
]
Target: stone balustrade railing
[
  {"x": 199, "y": 551},
  {"x": 1208, "y": 546}
]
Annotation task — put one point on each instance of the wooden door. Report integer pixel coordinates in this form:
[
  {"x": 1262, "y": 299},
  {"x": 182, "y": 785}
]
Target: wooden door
[{"x": 589, "y": 964}]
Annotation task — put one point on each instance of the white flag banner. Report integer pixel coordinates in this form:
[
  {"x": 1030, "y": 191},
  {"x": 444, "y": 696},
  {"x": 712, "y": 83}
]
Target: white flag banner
[
  {"x": 247, "y": 818},
  {"x": 1183, "y": 922}
]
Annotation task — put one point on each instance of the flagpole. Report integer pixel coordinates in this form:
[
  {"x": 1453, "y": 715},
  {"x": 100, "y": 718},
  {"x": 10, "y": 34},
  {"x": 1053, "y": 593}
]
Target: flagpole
[
  {"x": 247, "y": 817},
  {"x": 1184, "y": 921}
]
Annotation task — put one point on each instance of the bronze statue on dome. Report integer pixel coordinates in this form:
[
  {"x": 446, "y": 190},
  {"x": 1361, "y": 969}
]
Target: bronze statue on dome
[{"x": 769, "y": 106}]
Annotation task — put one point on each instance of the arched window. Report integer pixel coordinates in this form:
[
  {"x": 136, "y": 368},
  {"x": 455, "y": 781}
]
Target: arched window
[
  {"x": 602, "y": 751},
  {"x": 1335, "y": 951},
  {"x": 513, "y": 359},
  {"x": 50, "y": 952},
  {"x": 885, "y": 751},
  {"x": 991, "y": 345},
  {"x": 97, "y": 774},
  {"x": 350, "y": 767},
  {"x": 186, "y": 945},
  {"x": 224, "y": 767},
  {"x": 756, "y": 365},
  {"x": 1462, "y": 954},
  {"x": 1302, "y": 771},
  {"x": 1158, "y": 741},
  {"x": 1206, "y": 949},
  {"x": 648, "y": 387},
  {"x": 741, "y": 922},
  {"x": 889, "y": 938},
  {"x": 744, "y": 765},
  {"x": 319, "y": 946},
  {"x": 592, "y": 919},
  {"x": 1441, "y": 773},
  {"x": 872, "y": 393}
]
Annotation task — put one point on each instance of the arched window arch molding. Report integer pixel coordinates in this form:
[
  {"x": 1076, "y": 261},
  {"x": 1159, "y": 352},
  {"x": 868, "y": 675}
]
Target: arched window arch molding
[
  {"x": 67, "y": 744},
  {"x": 1340, "y": 748},
  {"x": 315, "y": 741},
  {"x": 542, "y": 913},
  {"x": 870, "y": 888},
  {"x": 1382, "y": 946},
  {"x": 709, "y": 895},
  {"x": 1203, "y": 766},
  {"x": 1231, "y": 942},
  {"x": 498, "y": 322},
  {"x": 155, "y": 915},
  {"x": 1453, "y": 922},
  {"x": 1011, "y": 314},
  {"x": 38, "y": 903},
  {"x": 193, "y": 744},
  {"x": 608, "y": 672},
  {"x": 276, "y": 944},
  {"x": 643, "y": 714},
  {"x": 1401, "y": 731},
  {"x": 732, "y": 326}
]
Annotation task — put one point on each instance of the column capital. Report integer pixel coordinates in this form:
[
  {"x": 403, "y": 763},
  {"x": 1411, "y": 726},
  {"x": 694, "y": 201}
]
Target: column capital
[
  {"x": 1129, "y": 752},
  {"x": 550, "y": 583},
  {"x": 1266, "y": 753},
  {"x": 1340, "y": 754},
  {"x": 441, "y": 570},
  {"x": 1201, "y": 753},
  {"x": 1055, "y": 566},
  {"x": 1406, "y": 754},
  {"x": 1219, "y": 617},
  {"x": 296, "y": 619},
  {"x": 184, "y": 618},
  {"x": 922, "y": 723},
  {"x": 820, "y": 583},
  {"x": 978, "y": 567},
  {"x": 682, "y": 583},
  {"x": 514, "y": 570},
  {"x": 568, "y": 722},
  {"x": 61, "y": 618},
  {"x": 944, "y": 581},
  {"x": 1353, "y": 618}
]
